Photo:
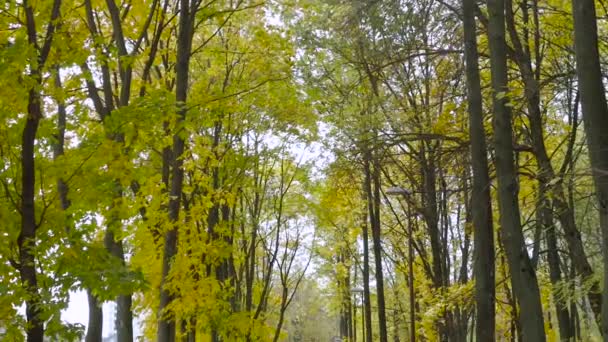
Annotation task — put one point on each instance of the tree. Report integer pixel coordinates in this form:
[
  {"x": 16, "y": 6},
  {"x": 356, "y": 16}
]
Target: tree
[
  {"x": 482, "y": 207},
  {"x": 523, "y": 276},
  {"x": 595, "y": 116},
  {"x": 27, "y": 237}
]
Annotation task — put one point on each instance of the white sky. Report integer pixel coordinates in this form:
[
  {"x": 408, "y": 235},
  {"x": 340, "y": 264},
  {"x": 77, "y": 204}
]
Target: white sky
[{"x": 78, "y": 312}]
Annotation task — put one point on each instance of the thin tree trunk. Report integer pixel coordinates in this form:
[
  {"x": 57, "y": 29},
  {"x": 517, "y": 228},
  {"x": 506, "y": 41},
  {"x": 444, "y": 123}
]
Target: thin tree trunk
[
  {"x": 546, "y": 222},
  {"x": 344, "y": 294},
  {"x": 277, "y": 332},
  {"x": 373, "y": 199},
  {"x": 367, "y": 311},
  {"x": 258, "y": 198}
]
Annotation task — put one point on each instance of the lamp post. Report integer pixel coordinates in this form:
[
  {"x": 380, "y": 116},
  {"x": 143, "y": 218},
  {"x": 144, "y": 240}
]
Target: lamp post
[
  {"x": 399, "y": 191},
  {"x": 355, "y": 291}
]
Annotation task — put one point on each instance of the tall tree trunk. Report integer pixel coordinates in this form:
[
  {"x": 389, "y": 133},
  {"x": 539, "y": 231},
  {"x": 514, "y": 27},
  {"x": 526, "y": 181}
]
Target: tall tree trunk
[
  {"x": 166, "y": 324},
  {"x": 595, "y": 117},
  {"x": 367, "y": 307},
  {"x": 373, "y": 200},
  {"x": 484, "y": 268},
  {"x": 27, "y": 236},
  {"x": 431, "y": 218},
  {"x": 26, "y": 241},
  {"x": 523, "y": 276}
]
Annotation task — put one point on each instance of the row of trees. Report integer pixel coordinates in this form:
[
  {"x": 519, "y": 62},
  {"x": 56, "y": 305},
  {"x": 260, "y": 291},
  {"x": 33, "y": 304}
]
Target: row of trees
[
  {"x": 151, "y": 155},
  {"x": 199, "y": 162},
  {"x": 472, "y": 111}
]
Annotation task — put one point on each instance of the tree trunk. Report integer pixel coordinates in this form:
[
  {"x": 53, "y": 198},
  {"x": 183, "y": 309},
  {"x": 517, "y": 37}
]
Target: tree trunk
[
  {"x": 523, "y": 276},
  {"x": 27, "y": 238},
  {"x": 94, "y": 327},
  {"x": 595, "y": 117},
  {"x": 26, "y": 242},
  {"x": 124, "y": 314},
  {"x": 546, "y": 222},
  {"x": 373, "y": 200},
  {"x": 367, "y": 307},
  {"x": 166, "y": 324},
  {"x": 431, "y": 216},
  {"x": 482, "y": 203}
]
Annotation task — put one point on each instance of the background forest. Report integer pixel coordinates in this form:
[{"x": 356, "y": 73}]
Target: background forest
[{"x": 304, "y": 170}]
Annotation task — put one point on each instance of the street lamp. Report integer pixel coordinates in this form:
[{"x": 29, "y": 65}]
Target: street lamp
[{"x": 399, "y": 191}]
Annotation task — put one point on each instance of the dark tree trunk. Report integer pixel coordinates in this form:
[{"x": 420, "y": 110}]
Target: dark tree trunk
[
  {"x": 250, "y": 260},
  {"x": 344, "y": 293},
  {"x": 546, "y": 222},
  {"x": 595, "y": 117},
  {"x": 95, "y": 325},
  {"x": 26, "y": 241},
  {"x": 277, "y": 334},
  {"x": 367, "y": 307},
  {"x": 166, "y": 323},
  {"x": 482, "y": 203},
  {"x": 373, "y": 198},
  {"x": 27, "y": 237},
  {"x": 523, "y": 276},
  {"x": 431, "y": 216}
]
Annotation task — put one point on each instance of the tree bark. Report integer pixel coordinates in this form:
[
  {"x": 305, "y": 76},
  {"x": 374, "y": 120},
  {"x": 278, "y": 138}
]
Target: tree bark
[
  {"x": 166, "y": 324},
  {"x": 94, "y": 327},
  {"x": 546, "y": 222},
  {"x": 595, "y": 117},
  {"x": 523, "y": 276},
  {"x": 481, "y": 209},
  {"x": 431, "y": 216},
  {"x": 27, "y": 237},
  {"x": 373, "y": 199},
  {"x": 372, "y": 196},
  {"x": 26, "y": 241},
  {"x": 367, "y": 307}
]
